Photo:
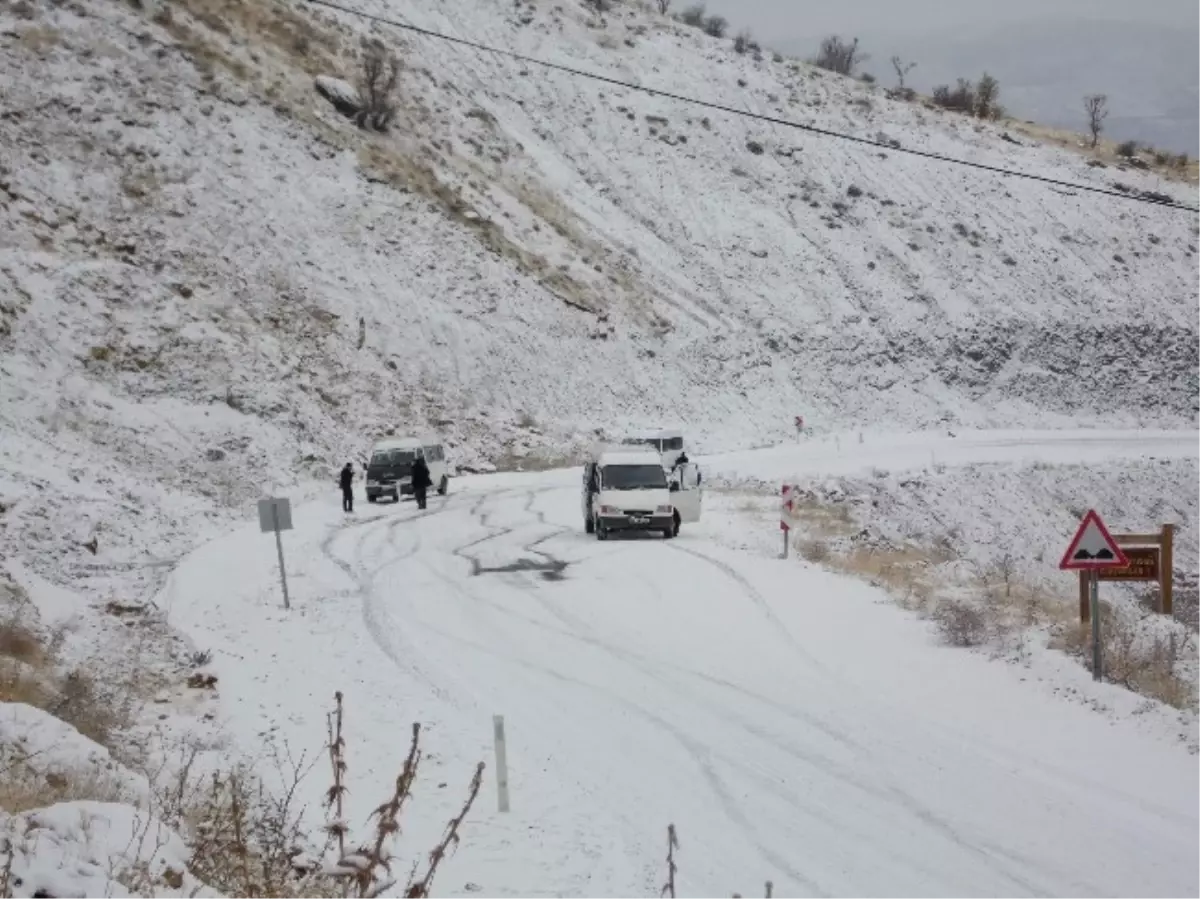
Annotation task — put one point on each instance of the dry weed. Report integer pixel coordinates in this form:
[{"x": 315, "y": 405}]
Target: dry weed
[
  {"x": 815, "y": 551},
  {"x": 247, "y": 841},
  {"x": 24, "y": 786},
  {"x": 961, "y": 623},
  {"x": 19, "y": 643},
  {"x": 1149, "y": 666},
  {"x": 904, "y": 572},
  {"x": 668, "y": 888}
]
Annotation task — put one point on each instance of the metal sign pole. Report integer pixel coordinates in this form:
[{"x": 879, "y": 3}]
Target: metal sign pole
[
  {"x": 785, "y": 544},
  {"x": 279, "y": 547},
  {"x": 1094, "y": 608}
]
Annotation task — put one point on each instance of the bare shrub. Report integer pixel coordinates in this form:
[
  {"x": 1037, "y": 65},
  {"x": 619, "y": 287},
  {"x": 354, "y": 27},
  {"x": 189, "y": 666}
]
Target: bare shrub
[
  {"x": 745, "y": 43},
  {"x": 377, "y": 83},
  {"x": 838, "y": 55},
  {"x": 960, "y": 99},
  {"x": 1127, "y": 149},
  {"x": 99, "y": 710},
  {"x": 19, "y": 643},
  {"x": 663, "y": 6},
  {"x": 961, "y": 623},
  {"x": 716, "y": 26},
  {"x": 25, "y": 785},
  {"x": 248, "y": 841},
  {"x": 902, "y": 69},
  {"x": 987, "y": 92},
  {"x": 1096, "y": 107},
  {"x": 815, "y": 551},
  {"x": 200, "y": 658},
  {"x": 599, "y": 5},
  {"x": 694, "y": 15}
]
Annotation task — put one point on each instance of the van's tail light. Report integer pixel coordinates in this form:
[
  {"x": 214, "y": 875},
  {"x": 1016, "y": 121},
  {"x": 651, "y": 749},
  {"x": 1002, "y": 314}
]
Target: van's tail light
[
  {"x": 609, "y": 510},
  {"x": 663, "y": 510}
]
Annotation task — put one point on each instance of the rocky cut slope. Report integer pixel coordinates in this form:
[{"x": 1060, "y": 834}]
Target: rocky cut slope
[{"x": 211, "y": 281}]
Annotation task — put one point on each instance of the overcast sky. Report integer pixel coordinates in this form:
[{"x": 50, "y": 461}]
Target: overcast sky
[{"x": 801, "y": 18}]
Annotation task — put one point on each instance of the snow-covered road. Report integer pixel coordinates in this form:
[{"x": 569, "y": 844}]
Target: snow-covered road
[
  {"x": 857, "y": 452},
  {"x": 794, "y": 725}
]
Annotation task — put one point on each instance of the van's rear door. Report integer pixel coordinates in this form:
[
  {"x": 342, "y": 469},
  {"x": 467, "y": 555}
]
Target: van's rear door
[{"x": 689, "y": 497}]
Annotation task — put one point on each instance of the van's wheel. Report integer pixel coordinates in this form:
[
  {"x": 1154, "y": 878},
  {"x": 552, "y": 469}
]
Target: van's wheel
[
  {"x": 601, "y": 531},
  {"x": 589, "y": 526},
  {"x": 371, "y": 499},
  {"x": 443, "y": 486}
]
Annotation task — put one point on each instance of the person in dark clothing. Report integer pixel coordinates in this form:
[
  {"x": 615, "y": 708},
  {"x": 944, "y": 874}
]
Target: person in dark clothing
[
  {"x": 421, "y": 481},
  {"x": 346, "y": 480}
]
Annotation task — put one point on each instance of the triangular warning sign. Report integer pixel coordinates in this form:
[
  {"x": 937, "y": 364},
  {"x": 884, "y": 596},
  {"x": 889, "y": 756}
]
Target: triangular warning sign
[{"x": 1092, "y": 547}]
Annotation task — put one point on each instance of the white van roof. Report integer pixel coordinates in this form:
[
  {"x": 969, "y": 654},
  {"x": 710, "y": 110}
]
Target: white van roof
[
  {"x": 628, "y": 457},
  {"x": 406, "y": 443}
]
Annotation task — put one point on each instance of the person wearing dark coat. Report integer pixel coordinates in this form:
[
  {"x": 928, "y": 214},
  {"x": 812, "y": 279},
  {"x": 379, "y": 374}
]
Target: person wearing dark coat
[
  {"x": 346, "y": 480},
  {"x": 421, "y": 481}
]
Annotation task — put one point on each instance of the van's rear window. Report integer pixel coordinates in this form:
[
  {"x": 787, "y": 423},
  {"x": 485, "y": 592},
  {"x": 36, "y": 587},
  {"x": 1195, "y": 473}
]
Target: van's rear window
[{"x": 393, "y": 457}]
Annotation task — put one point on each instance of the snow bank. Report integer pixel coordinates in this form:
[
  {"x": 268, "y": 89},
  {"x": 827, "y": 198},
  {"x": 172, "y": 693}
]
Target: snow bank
[
  {"x": 34, "y": 742},
  {"x": 96, "y": 849}
]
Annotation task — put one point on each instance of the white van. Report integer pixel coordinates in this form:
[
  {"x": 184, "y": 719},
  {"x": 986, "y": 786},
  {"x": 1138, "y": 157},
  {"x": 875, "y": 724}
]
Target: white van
[
  {"x": 389, "y": 473},
  {"x": 628, "y": 490}
]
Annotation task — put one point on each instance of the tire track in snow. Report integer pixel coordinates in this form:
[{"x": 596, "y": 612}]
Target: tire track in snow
[
  {"x": 830, "y": 768},
  {"x": 389, "y": 639},
  {"x": 888, "y": 793},
  {"x": 757, "y": 598}
]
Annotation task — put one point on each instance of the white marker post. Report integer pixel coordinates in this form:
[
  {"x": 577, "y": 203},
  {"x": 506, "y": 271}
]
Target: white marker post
[
  {"x": 501, "y": 762},
  {"x": 275, "y": 514},
  {"x": 1091, "y": 550}
]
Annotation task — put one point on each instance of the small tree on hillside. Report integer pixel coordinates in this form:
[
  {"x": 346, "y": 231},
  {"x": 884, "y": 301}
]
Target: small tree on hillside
[
  {"x": 663, "y": 6},
  {"x": 987, "y": 91},
  {"x": 837, "y": 55},
  {"x": 715, "y": 26},
  {"x": 377, "y": 83},
  {"x": 959, "y": 99},
  {"x": 902, "y": 69},
  {"x": 1096, "y": 107},
  {"x": 694, "y": 15}
]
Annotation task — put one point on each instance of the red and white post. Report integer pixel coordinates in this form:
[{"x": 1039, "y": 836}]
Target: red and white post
[{"x": 785, "y": 516}]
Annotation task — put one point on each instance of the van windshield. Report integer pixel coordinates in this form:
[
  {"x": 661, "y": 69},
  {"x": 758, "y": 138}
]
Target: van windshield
[
  {"x": 633, "y": 477},
  {"x": 392, "y": 458}
]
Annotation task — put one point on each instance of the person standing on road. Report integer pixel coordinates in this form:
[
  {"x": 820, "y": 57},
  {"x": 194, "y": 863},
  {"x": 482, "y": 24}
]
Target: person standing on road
[
  {"x": 421, "y": 481},
  {"x": 346, "y": 480}
]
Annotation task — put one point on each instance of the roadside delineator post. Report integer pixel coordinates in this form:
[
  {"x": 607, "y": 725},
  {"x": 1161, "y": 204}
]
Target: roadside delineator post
[
  {"x": 785, "y": 514},
  {"x": 501, "y": 762}
]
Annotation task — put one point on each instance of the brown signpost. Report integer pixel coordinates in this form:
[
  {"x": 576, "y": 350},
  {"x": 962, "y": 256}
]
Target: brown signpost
[{"x": 1151, "y": 558}]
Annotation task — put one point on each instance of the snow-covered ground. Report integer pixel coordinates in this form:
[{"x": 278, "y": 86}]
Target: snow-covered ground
[
  {"x": 212, "y": 287},
  {"x": 793, "y": 724}
]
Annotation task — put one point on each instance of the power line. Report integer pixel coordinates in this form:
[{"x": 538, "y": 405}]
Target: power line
[{"x": 745, "y": 113}]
